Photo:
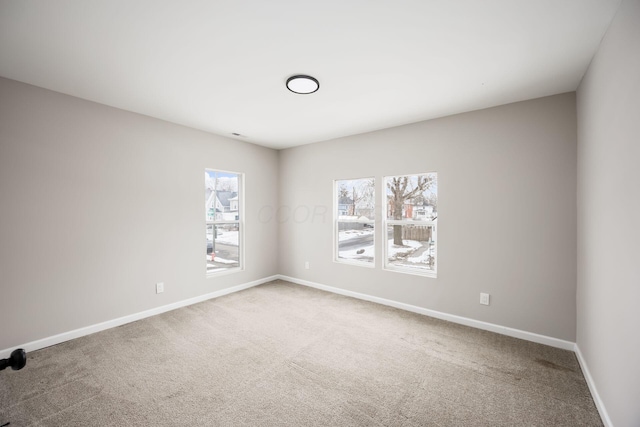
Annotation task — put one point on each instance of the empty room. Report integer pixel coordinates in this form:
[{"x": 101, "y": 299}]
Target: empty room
[{"x": 416, "y": 213}]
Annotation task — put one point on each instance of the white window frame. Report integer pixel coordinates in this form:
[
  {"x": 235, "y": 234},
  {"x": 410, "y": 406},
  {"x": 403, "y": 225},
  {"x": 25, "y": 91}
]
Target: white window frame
[
  {"x": 239, "y": 222},
  {"x": 336, "y": 227},
  {"x": 386, "y": 223}
]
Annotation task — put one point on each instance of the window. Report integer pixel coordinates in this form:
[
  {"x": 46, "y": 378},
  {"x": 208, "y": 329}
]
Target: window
[
  {"x": 410, "y": 223},
  {"x": 354, "y": 221},
  {"x": 223, "y": 212}
]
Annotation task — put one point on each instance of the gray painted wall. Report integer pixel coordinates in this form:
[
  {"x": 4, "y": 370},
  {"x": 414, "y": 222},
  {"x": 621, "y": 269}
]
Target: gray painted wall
[
  {"x": 506, "y": 212},
  {"x": 608, "y": 295},
  {"x": 99, "y": 204}
]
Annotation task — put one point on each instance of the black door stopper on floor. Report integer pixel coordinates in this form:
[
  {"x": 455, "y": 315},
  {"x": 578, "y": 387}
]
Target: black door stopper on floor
[{"x": 17, "y": 360}]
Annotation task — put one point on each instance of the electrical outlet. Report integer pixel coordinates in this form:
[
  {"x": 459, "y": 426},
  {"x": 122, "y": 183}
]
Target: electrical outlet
[
  {"x": 306, "y": 265},
  {"x": 484, "y": 299},
  {"x": 159, "y": 287}
]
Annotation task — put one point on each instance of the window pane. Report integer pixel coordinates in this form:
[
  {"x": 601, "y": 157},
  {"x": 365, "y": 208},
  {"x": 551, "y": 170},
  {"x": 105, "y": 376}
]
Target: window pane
[
  {"x": 412, "y": 197},
  {"x": 356, "y": 241},
  {"x": 223, "y": 247},
  {"x": 411, "y": 246},
  {"x": 355, "y": 199},
  {"x": 223, "y": 215},
  {"x": 210, "y": 246},
  {"x": 221, "y": 196}
]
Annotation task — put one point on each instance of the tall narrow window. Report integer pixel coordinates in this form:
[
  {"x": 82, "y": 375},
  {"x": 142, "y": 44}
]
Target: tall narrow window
[
  {"x": 410, "y": 223},
  {"x": 354, "y": 224},
  {"x": 223, "y": 212}
]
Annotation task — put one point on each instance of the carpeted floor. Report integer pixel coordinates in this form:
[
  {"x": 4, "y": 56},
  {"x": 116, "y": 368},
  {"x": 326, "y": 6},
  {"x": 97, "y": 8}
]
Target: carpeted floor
[{"x": 286, "y": 355}]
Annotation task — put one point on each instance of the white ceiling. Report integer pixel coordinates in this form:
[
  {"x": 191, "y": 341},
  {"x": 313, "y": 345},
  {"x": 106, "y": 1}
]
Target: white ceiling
[{"x": 221, "y": 65}]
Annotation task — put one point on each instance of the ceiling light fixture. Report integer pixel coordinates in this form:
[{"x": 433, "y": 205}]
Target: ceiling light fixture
[{"x": 302, "y": 84}]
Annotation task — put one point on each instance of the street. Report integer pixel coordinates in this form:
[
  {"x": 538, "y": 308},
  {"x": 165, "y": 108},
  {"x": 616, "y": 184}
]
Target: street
[{"x": 226, "y": 257}]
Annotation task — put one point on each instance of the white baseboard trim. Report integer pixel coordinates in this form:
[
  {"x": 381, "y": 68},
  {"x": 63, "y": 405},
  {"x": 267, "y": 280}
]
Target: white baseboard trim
[
  {"x": 592, "y": 388},
  {"x": 87, "y": 330},
  {"x": 516, "y": 333}
]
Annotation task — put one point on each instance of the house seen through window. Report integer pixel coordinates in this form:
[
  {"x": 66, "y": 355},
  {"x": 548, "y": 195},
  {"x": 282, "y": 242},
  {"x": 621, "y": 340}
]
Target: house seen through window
[
  {"x": 223, "y": 213},
  {"x": 410, "y": 223},
  {"x": 355, "y": 221}
]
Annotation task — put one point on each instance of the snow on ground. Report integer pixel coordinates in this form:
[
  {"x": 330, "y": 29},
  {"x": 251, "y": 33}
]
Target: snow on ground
[
  {"x": 225, "y": 261},
  {"x": 394, "y": 251},
  {"x": 228, "y": 237},
  {"x": 352, "y": 254},
  {"x": 423, "y": 258},
  {"x": 220, "y": 260},
  {"x": 352, "y": 234}
]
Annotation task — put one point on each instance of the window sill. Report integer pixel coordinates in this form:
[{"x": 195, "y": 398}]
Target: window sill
[
  {"x": 356, "y": 263},
  {"x": 223, "y": 272},
  {"x": 414, "y": 272}
]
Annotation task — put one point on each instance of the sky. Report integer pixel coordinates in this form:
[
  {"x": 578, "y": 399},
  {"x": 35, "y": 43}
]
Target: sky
[
  {"x": 226, "y": 180},
  {"x": 350, "y": 183}
]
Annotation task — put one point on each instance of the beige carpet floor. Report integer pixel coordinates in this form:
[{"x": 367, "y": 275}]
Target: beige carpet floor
[{"x": 286, "y": 355}]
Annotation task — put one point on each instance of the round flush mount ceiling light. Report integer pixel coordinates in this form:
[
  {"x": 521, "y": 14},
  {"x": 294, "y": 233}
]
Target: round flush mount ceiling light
[{"x": 302, "y": 84}]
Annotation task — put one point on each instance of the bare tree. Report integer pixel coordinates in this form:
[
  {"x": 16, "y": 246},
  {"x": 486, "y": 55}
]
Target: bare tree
[
  {"x": 433, "y": 201},
  {"x": 362, "y": 195},
  {"x": 402, "y": 189},
  {"x": 343, "y": 197},
  {"x": 343, "y": 191},
  {"x": 224, "y": 183},
  {"x": 358, "y": 196}
]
